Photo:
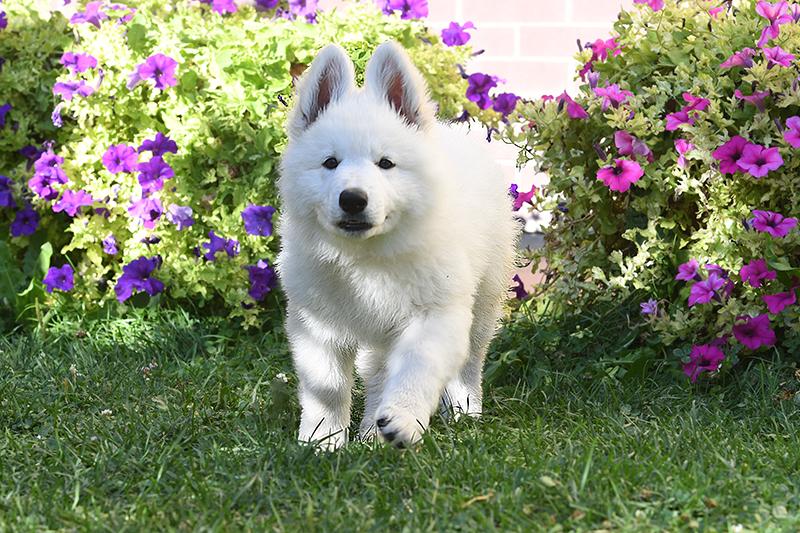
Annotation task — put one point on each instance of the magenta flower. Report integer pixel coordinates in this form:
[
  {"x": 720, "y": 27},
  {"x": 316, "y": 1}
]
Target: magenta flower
[
  {"x": 91, "y": 15},
  {"x": 78, "y": 62},
  {"x": 683, "y": 147},
  {"x": 157, "y": 67},
  {"x": 574, "y": 109},
  {"x": 688, "y": 271},
  {"x": 153, "y": 173},
  {"x": 612, "y": 95},
  {"x": 778, "y": 56},
  {"x": 729, "y": 155},
  {"x": 478, "y": 88},
  {"x": 627, "y": 144},
  {"x": 755, "y": 332},
  {"x": 71, "y": 202},
  {"x": 778, "y": 302},
  {"x": 68, "y": 89},
  {"x": 715, "y": 11},
  {"x": 409, "y": 9},
  {"x": 148, "y": 210},
  {"x": 703, "y": 358},
  {"x": 773, "y": 223},
  {"x": 704, "y": 291},
  {"x": 792, "y": 132},
  {"x": 120, "y": 158},
  {"x": 696, "y": 103},
  {"x": 650, "y": 307},
  {"x": 621, "y": 175},
  {"x": 519, "y": 289},
  {"x": 137, "y": 276},
  {"x": 59, "y": 278},
  {"x": 675, "y": 120},
  {"x": 505, "y": 103},
  {"x": 655, "y": 5},
  {"x": 181, "y": 216},
  {"x": 760, "y": 160},
  {"x": 521, "y": 198},
  {"x": 456, "y": 35},
  {"x": 755, "y": 272},
  {"x": 757, "y": 98},
  {"x": 742, "y": 58},
  {"x": 223, "y": 6},
  {"x": 776, "y": 14}
]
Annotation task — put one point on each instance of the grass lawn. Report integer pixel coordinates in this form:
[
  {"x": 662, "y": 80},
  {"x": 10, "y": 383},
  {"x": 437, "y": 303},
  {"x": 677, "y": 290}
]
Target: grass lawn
[{"x": 165, "y": 424}]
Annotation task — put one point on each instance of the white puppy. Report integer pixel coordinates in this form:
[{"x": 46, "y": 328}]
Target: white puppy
[{"x": 398, "y": 241}]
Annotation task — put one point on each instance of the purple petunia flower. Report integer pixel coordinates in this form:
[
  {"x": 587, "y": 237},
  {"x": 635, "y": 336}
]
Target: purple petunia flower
[
  {"x": 159, "y": 145},
  {"x": 223, "y": 6},
  {"x": 25, "y": 222},
  {"x": 675, "y": 120},
  {"x": 3, "y": 20},
  {"x": 755, "y": 332},
  {"x": 55, "y": 116},
  {"x": 78, "y": 62},
  {"x": 148, "y": 210},
  {"x": 91, "y": 15},
  {"x": 729, "y": 155},
  {"x": 773, "y": 223},
  {"x": 683, "y": 147},
  {"x": 612, "y": 95},
  {"x": 59, "y": 278},
  {"x": 650, "y": 307},
  {"x": 4, "y": 109},
  {"x": 48, "y": 173},
  {"x": 778, "y": 56},
  {"x": 621, "y": 175},
  {"x": 262, "y": 279},
  {"x": 220, "y": 244},
  {"x": 757, "y": 98},
  {"x": 304, "y": 8},
  {"x": 120, "y": 158},
  {"x": 776, "y": 14},
  {"x": 137, "y": 276},
  {"x": 627, "y": 144},
  {"x": 110, "y": 245},
  {"x": 703, "y": 358},
  {"x": 505, "y": 103},
  {"x": 71, "y": 202},
  {"x": 760, "y": 160},
  {"x": 181, "y": 216},
  {"x": 755, "y": 272},
  {"x": 258, "y": 219},
  {"x": 153, "y": 173},
  {"x": 792, "y": 132},
  {"x": 159, "y": 68},
  {"x": 742, "y": 58},
  {"x": 778, "y": 302},
  {"x": 478, "y": 89},
  {"x": 6, "y": 196},
  {"x": 655, "y": 5},
  {"x": 704, "y": 291},
  {"x": 409, "y": 9},
  {"x": 574, "y": 109},
  {"x": 68, "y": 89},
  {"x": 688, "y": 271},
  {"x": 266, "y": 4},
  {"x": 456, "y": 35},
  {"x": 31, "y": 153},
  {"x": 519, "y": 289}
]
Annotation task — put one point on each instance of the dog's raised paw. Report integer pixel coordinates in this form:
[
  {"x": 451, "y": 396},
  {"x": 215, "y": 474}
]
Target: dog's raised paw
[{"x": 400, "y": 428}]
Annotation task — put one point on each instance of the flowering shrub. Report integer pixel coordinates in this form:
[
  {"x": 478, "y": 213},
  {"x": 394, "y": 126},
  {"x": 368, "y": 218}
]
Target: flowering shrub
[
  {"x": 675, "y": 178},
  {"x": 140, "y": 142}
]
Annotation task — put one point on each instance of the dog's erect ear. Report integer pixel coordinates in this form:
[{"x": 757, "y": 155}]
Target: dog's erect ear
[
  {"x": 329, "y": 77},
  {"x": 392, "y": 76}
]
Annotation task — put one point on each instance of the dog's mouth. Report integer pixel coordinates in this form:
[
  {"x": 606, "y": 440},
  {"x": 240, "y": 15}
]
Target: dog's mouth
[{"x": 354, "y": 226}]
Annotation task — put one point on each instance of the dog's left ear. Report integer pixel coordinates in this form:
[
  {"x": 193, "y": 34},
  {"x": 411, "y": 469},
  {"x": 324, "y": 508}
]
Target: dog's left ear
[{"x": 392, "y": 76}]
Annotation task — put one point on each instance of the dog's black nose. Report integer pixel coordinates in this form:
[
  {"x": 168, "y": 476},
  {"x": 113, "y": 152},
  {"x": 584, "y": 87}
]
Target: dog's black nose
[{"x": 353, "y": 201}]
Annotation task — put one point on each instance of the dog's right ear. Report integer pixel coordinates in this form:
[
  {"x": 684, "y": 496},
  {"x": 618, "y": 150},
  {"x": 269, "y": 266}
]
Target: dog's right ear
[{"x": 330, "y": 76}]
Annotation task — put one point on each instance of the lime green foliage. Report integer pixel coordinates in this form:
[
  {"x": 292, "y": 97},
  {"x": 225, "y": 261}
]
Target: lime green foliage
[
  {"x": 226, "y": 114},
  {"x": 607, "y": 249}
]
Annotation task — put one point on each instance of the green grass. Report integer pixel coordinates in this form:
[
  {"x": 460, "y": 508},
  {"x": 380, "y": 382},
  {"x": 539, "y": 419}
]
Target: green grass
[{"x": 205, "y": 440}]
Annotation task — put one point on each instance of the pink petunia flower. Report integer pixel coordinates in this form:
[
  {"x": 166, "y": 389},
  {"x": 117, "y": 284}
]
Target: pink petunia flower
[
  {"x": 655, "y": 5},
  {"x": 703, "y": 358},
  {"x": 696, "y": 103},
  {"x": 778, "y": 302},
  {"x": 704, "y": 291},
  {"x": 792, "y": 132},
  {"x": 521, "y": 198},
  {"x": 742, "y": 58},
  {"x": 760, "y": 160},
  {"x": 757, "y": 98},
  {"x": 715, "y": 11},
  {"x": 778, "y": 56},
  {"x": 612, "y": 95},
  {"x": 755, "y": 332},
  {"x": 627, "y": 144},
  {"x": 776, "y": 14},
  {"x": 574, "y": 109},
  {"x": 621, "y": 175},
  {"x": 729, "y": 154},
  {"x": 688, "y": 270},
  {"x": 675, "y": 120},
  {"x": 683, "y": 147},
  {"x": 773, "y": 223},
  {"x": 755, "y": 272}
]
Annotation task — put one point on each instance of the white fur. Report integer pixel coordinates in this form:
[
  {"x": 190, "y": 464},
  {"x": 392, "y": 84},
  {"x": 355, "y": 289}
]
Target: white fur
[{"x": 413, "y": 302}]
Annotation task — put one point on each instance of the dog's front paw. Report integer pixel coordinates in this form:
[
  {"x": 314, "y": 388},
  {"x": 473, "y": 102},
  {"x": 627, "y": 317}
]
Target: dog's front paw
[
  {"x": 400, "y": 427},
  {"x": 326, "y": 441}
]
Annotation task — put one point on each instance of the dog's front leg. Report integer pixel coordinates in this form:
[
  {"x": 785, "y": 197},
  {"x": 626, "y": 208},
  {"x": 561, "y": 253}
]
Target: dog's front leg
[
  {"x": 325, "y": 373},
  {"x": 428, "y": 353}
]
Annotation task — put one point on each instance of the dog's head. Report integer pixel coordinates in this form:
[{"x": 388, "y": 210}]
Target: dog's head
[{"x": 357, "y": 163}]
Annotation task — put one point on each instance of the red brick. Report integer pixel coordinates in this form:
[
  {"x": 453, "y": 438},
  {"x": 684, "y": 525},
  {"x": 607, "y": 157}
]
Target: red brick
[
  {"x": 514, "y": 11},
  {"x": 556, "y": 42}
]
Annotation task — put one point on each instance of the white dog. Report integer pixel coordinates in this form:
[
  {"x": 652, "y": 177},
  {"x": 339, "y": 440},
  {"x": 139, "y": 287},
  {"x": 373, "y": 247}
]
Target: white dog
[{"x": 398, "y": 243}]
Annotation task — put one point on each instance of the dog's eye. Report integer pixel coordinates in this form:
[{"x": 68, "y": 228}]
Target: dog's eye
[
  {"x": 331, "y": 163},
  {"x": 385, "y": 163}
]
